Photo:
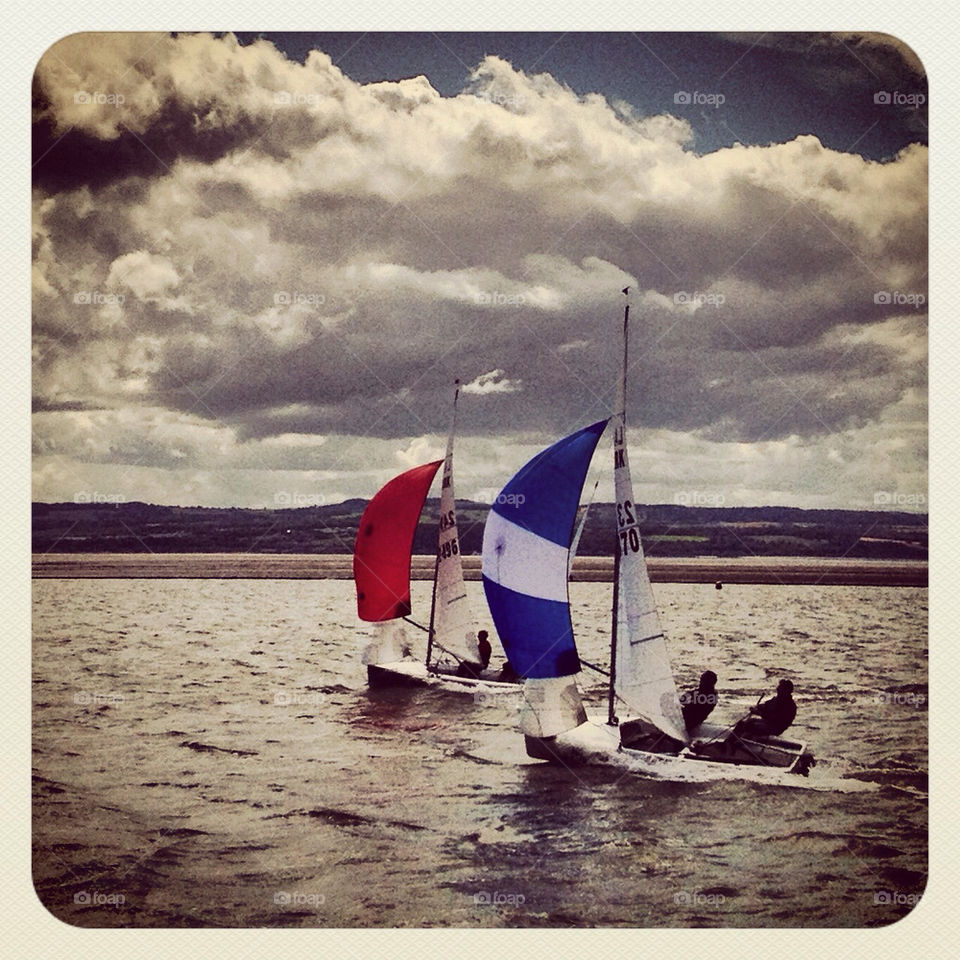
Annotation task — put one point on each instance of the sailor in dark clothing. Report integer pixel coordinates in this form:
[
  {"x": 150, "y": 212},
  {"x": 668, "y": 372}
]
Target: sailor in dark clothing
[
  {"x": 467, "y": 669},
  {"x": 508, "y": 674},
  {"x": 773, "y": 716},
  {"x": 483, "y": 645},
  {"x": 698, "y": 704}
]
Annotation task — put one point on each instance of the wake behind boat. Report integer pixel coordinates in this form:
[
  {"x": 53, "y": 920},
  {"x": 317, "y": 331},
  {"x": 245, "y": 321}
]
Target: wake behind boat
[
  {"x": 525, "y": 573},
  {"x": 381, "y": 568}
]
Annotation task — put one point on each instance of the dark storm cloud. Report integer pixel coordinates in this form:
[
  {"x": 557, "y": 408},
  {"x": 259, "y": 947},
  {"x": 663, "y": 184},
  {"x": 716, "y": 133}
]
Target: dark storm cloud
[
  {"x": 73, "y": 158},
  {"x": 163, "y": 99},
  {"x": 849, "y": 57}
]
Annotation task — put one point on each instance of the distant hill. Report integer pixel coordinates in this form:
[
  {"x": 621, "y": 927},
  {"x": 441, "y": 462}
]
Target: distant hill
[{"x": 668, "y": 530}]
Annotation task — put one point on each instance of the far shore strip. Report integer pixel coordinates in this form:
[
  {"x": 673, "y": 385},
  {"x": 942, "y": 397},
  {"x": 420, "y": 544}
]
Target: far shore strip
[{"x": 826, "y": 571}]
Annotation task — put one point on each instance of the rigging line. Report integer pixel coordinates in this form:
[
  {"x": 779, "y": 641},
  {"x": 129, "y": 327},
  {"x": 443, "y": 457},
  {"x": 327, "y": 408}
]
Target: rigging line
[
  {"x": 455, "y": 656},
  {"x": 729, "y": 729},
  {"x": 762, "y": 759},
  {"x": 593, "y": 666},
  {"x": 641, "y": 716}
]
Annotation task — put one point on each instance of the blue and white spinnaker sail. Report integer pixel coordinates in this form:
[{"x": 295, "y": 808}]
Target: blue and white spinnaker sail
[{"x": 526, "y": 547}]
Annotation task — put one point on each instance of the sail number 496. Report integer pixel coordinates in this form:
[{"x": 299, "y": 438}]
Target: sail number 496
[{"x": 448, "y": 549}]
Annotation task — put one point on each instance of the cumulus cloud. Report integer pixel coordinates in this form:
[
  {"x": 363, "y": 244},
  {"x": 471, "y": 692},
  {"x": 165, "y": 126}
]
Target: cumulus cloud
[
  {"x": 254, "y": 248},
  {"x": 419, "y": 450},
  {"x": 493, "y": 382},
  {"x": 147, "y": 275}
]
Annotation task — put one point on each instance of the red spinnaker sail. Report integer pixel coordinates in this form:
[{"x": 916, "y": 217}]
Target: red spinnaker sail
[{"x": 381, "y": 556}]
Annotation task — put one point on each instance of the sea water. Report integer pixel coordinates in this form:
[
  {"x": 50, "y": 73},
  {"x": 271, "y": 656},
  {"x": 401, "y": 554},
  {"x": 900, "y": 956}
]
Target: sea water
[{"x": 208, "y": 753}]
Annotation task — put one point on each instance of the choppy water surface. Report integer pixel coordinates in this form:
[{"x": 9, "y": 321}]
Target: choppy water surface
[{"x": 207, "y": 752}]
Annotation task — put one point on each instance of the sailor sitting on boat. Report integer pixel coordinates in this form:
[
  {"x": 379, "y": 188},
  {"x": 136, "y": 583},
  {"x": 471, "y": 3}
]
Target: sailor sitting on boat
[
  {"x": 698, "y": 704},
  {"x": 508, "y": 674},
  {"x": 474, "y": 670},
  {"x": 772, "y": 717}
]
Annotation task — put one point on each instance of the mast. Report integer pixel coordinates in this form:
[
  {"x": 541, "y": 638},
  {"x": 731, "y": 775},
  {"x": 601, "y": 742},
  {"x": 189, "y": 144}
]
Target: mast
[
  {"x": 433, "y": 608},
  {"x": 611, "y": 714},
  {"x": 620, "y": 414},
  {"x": 445, "y": 478},
  {"x": 644, "y": 681}
]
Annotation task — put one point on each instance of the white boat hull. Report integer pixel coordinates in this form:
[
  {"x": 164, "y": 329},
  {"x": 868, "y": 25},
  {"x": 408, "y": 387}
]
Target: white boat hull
[
  {"x": 401, "y": 673},
  {"x": 596, "y": 742}
]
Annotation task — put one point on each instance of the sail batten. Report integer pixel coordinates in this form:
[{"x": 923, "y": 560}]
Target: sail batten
[{"x": 654, "y": 636}]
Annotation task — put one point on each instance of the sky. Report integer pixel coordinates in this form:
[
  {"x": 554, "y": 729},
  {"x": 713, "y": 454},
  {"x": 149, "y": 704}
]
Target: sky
[{"x": 261, "y": 261}]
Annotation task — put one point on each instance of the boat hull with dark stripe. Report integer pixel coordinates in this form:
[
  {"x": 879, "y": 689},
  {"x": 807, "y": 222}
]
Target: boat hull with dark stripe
[
  {"x": 712, "y": 747},
  {"x": 414, "y": 673}
]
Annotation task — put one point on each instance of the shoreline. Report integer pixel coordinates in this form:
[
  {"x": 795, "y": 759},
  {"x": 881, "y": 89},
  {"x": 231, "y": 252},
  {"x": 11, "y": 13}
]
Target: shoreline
[{"x": 826, "y": 571}]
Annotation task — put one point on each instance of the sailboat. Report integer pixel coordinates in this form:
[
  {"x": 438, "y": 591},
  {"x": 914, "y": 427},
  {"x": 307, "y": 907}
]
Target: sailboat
[
  {"x": 525, "y": 577},
  {"x": 381, "y": 571}
]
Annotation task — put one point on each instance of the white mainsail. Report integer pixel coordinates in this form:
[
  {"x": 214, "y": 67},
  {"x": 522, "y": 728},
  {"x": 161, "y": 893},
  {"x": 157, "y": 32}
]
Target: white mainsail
[
  {"x": 581, "y": 523},
  {"x": 454, "y": 620},
  {"x": 643, "y": 678}
]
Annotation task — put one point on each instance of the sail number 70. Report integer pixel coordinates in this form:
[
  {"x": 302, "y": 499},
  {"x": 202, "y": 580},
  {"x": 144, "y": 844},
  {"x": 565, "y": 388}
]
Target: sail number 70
[{"x": 629, "y": 537}]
